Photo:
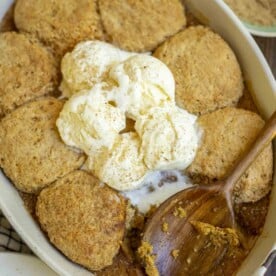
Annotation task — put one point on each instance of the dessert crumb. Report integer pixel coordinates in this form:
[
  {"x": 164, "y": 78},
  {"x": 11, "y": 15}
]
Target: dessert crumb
[
  {"x": 175, "y": 253},
  {"x": 145, "y": 254},
  {"x": 165, "y": 227},
  {"x": 218, "y": 236},
  {"x": 180, "y": 212}
]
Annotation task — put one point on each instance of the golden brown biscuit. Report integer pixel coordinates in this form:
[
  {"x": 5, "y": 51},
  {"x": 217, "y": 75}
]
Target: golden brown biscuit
[
  {"x": 7, "y": 23},
  {"x": 59, "y": 24},
  {"x": 27, "y": 71},
  {"x": 227, "y": 134},
  {"x": 32, "y": 153},
  {"x": 205, "y": 69},
  {"x": 141, "y": 25},
  {"x": 83, "y": 218}
]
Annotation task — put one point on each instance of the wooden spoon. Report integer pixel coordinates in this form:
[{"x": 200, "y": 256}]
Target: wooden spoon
[{"x": 179, "y": 247}]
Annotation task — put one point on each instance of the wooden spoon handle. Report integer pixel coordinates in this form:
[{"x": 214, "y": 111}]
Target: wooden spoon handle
[{"x": 263, "y": 139}]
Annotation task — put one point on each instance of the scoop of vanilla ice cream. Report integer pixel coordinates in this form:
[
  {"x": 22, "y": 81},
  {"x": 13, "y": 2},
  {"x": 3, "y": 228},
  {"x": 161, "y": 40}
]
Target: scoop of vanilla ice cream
[
  {"x": 169, "y": 137},
  {"x": 122, "y": 167},
  {"x": 88, "y": 122},
  {"x": 143, "y": 82},
  {"x": 88, "y": 64}
]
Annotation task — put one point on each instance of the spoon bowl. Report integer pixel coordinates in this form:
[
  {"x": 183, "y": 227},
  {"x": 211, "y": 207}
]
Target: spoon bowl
[{"x": 175, "y": 233}]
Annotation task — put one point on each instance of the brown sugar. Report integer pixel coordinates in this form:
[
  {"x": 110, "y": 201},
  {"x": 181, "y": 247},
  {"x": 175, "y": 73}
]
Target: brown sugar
[
  {"x": 180, "y": 212},
  {"x": 218, "y": 236},
  {"x": 145, "y": 254},
  {"x": 165, "y": 227},
  {"x": 175, "y": 253}
]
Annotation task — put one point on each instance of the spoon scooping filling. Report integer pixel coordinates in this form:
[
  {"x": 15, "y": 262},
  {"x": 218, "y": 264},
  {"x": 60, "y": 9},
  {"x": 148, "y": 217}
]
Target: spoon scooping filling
[{"x": 206, "y": 231}]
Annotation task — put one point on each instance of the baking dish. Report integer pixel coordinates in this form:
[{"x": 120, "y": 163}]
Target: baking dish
[{"x": 257, "y": 73}]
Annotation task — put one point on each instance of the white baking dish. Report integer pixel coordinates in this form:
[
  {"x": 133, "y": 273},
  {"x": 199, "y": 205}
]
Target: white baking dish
[{"x": 256, "y": 71}]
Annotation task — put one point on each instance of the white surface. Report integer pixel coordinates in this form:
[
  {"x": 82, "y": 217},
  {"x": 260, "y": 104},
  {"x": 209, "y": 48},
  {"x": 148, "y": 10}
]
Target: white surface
[
  {"x": 256, "y": 71},
  {"x": 258, "y": 32},
  {"x": 4, "y": 6},
  {"x": 14, "y": 264}
]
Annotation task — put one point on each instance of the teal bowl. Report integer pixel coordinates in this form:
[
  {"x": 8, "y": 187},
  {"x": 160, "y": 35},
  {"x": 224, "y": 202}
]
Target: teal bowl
[{"x": 265, "y": 31}]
